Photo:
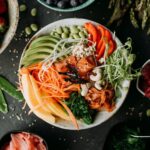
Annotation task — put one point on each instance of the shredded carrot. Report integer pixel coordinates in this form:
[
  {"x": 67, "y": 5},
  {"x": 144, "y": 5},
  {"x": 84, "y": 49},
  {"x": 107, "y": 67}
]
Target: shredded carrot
[
  {"x": 51, "y": 82},
  {"x": 73, "y": 87}
]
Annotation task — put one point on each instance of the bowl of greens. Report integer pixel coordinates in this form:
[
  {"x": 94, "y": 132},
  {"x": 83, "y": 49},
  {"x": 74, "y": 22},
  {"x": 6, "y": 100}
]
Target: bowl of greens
[
  {"x": 69, "y": 74},
  {"x": 129, "y": 135},
  {"x": 66, "y": 5}
]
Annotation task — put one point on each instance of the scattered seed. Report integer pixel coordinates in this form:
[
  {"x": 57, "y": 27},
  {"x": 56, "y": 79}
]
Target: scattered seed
[
  {"x": 22, "y": 8},
  {"x": 148, "y": 112},
  {"x": 33, "y": 12},
  {"x": 34, "y": 27},
  {"x": 28, "y": 30},
  {"x": 74, "y": 141},
  {"x": 140, "y": 114},
  {"x": 18, "y": 117}
]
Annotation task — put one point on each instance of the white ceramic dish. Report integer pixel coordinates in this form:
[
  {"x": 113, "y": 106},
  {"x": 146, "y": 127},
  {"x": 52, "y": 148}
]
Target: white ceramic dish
[
  {"x": 101, "y": 116},
  {"x": 13, "y": 11}
]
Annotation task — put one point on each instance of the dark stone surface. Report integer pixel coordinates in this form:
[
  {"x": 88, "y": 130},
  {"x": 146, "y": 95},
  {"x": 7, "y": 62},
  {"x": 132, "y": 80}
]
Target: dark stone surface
[{"x": 92, "y": 139}]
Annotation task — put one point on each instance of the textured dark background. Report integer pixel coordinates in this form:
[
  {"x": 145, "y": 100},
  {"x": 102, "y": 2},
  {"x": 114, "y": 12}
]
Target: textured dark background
[{"x": 134, "y": 107}]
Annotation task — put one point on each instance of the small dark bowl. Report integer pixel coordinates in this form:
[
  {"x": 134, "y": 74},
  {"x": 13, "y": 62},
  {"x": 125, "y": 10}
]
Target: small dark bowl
[{"x": 6, "y": 138}]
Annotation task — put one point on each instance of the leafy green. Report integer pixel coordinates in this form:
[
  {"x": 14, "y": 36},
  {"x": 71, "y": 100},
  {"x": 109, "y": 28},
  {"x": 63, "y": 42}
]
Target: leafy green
[
  {"x": 117, "y": 67},
  {"x": 3, "y": 105},
  {"x": 123, "y": 140},
  {"x": 79, "y": 107}
]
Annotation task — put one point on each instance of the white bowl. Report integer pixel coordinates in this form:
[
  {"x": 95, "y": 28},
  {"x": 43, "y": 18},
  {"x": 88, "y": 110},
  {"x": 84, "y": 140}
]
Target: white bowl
[
  {"x": 13, "y": 11},
  {"x": 101, "y": 116}
]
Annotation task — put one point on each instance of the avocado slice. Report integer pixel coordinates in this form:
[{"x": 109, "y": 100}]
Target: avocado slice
[
  {"x": 34, "y": 58},
  {"x": 44, "y": 39},
  {"x": 38, "y": 50}
]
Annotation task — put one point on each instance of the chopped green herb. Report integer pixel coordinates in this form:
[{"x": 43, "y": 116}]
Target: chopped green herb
[{"x": 80, "y": 108}]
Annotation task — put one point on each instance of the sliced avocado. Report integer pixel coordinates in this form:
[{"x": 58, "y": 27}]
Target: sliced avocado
[
  {"x": 44, "y": 39},
  {"x": 39, "y": 39},
  {"x": 34, "y": 58},
  {"x": 46, "y": 44},
  {"x": 38, "y": 50}
]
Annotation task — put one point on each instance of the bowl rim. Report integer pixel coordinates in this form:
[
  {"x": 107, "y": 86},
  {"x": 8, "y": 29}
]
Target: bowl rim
[
  {"x": 137, "y": 82},
  {"x": 81, "y": 20},
  {"x": 82, "y": 6},
  {"x": 12, "y": 28}
]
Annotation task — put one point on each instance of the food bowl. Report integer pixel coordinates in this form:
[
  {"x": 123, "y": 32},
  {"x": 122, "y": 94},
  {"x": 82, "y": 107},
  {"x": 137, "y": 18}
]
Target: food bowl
[
  {"x": 7, "y": 137},
  {"x": 13, "y": 12},
  {"x": 84, "y": 5},
  {"x": 138, "y": 80},
  {"x": 101, "y": 116},
  {"x": 128, "y": 133}
]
